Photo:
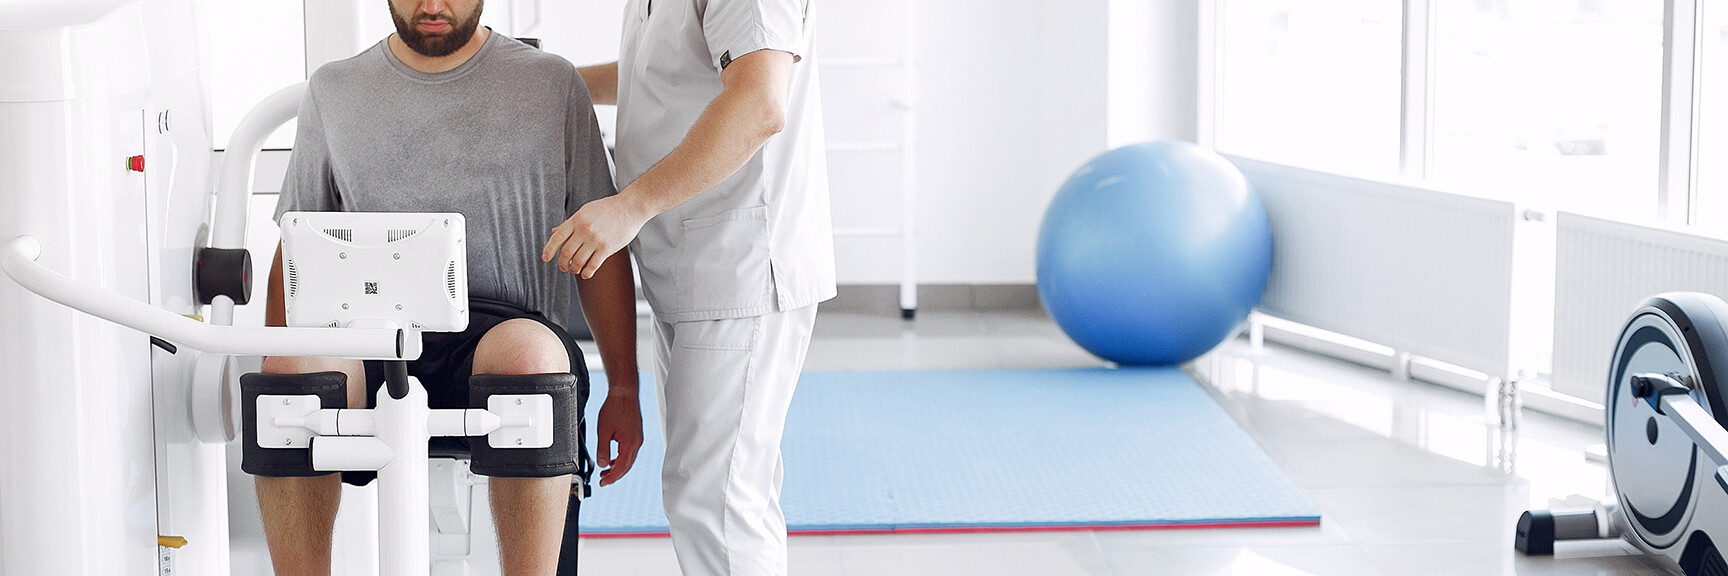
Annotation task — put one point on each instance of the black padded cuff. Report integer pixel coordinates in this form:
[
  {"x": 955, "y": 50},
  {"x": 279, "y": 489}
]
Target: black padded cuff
[
  {"x": 332, "y": 392},
  {"x": 555, "y": 460}
]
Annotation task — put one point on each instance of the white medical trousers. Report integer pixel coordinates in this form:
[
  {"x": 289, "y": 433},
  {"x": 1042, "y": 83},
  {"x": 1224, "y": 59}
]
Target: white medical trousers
[{"x": 724, "y": 388}]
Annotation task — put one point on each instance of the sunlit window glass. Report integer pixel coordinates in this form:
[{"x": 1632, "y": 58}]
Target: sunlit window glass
[
  {"x": 1712, "y": 187},
  {"x": 1550, "y": 102},
  {"x": 1312, "y": 84}
]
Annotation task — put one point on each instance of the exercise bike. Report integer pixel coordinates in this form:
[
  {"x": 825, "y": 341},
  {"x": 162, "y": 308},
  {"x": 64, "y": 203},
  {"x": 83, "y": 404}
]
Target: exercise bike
[{"x": 1666, "y": 408}]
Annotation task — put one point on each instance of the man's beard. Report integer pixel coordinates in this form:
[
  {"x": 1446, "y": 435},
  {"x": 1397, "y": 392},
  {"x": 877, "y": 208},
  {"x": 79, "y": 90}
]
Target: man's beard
[{"x": 437, "y": 45}]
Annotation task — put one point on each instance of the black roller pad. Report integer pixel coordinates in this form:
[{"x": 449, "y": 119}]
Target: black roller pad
[
  {"x": 555, "y": 460},
  {"x": 1535, "y": 533},
  {"x": 329, "y": 387},
  {"x": 223, "y": 272}
]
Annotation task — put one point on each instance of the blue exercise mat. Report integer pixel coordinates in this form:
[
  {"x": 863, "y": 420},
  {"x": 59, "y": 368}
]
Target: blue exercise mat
[{"x": 992, "y": 450}]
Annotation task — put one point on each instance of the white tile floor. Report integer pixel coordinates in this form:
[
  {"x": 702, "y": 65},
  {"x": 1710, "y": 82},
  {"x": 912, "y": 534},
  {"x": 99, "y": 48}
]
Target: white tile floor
[{"x": 1410, "y": 479}]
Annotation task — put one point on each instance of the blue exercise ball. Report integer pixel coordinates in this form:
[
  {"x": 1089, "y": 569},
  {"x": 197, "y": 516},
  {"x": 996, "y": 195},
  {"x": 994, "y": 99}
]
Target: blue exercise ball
[{"x": 1153, "y": 253}]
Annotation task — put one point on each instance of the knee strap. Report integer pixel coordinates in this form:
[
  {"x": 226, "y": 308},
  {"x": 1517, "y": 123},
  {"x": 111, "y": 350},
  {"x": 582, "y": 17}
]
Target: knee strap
[
  {"x": 556, "y": 460},
  {"x": 332, "y": 392}
]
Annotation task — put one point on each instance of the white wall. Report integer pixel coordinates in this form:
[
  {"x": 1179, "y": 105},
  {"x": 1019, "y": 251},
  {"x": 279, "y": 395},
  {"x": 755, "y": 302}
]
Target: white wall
[
  {"x": 1012, "y": 99},
  {"x": 256, "y": 48},
  {"x": 1012, "y": 96},
  {"x": 1154, "y": 70}
]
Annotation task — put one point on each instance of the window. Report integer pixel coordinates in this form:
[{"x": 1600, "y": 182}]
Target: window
[
  {"x": 1312, "y": 84},
  {"x": 1552, "y": 103}
]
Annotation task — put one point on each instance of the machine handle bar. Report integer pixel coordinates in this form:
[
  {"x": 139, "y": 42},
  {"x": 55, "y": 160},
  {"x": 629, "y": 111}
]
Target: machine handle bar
[
  {"x": 1671, "y": 396},
  {"x": 18, "y": 260}
]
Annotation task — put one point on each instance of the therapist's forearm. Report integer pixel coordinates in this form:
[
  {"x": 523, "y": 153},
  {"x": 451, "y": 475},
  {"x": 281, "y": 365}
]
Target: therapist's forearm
[
  {"x": 717, "y": 146},
  {"x": 750, "y": 110},
  {"x": 602, "y": 81}
]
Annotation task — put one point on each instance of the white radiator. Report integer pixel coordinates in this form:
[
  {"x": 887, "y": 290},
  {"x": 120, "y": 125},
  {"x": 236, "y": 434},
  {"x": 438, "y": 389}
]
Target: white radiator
[
  {"x": 1603, "y": 270},
  {"x": 1424, "y": 272}
]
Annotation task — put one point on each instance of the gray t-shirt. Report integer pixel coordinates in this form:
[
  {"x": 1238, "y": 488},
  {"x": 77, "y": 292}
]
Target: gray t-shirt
[{"x": 508, "y": 139}]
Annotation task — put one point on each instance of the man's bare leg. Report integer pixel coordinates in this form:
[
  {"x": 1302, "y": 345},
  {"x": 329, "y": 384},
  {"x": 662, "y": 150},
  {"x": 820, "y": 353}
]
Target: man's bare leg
[
  {"x": 300, "y": 513},
  {"x": 529, "y": 512}
]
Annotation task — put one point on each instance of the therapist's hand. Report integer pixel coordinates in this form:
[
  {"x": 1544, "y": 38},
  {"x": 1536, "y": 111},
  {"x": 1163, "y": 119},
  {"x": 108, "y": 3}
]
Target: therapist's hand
[
  {"x": 596, "y": 231},
  {"x": 620, "y": 421}
]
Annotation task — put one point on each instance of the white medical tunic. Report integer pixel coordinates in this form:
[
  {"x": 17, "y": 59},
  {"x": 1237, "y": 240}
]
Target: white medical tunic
[{"x": 762, "y": 240}]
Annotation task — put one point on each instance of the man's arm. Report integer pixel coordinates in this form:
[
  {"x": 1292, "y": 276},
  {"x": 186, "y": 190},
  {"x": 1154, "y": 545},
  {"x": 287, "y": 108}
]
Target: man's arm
[
  {"x": 609, "y": 304},
  {"x": 751, "y": 108},
  {"x": 602, "y": 81},
  {"x": 275, "y": 308}
]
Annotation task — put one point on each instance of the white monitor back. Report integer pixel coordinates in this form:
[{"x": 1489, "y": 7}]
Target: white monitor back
[{"x": 367, "y": 269}]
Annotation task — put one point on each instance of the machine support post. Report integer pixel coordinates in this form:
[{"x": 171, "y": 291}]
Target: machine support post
[{"x": 404, "y": 526}]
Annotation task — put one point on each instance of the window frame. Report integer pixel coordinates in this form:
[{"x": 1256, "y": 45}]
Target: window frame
[{"x": 1677, "y": 174}]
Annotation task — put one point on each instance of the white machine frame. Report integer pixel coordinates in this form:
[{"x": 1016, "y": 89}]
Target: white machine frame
[
  {"x": 391, "y": 439},
  {"x": 115, "y": 462}
]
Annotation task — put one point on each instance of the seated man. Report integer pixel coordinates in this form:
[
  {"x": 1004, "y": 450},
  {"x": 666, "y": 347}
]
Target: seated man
[{"x": 447, "y": 116}]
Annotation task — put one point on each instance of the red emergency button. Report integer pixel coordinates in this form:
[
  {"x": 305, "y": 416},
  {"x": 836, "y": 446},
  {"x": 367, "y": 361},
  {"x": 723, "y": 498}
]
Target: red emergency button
[{"x": 135, "y": 163}]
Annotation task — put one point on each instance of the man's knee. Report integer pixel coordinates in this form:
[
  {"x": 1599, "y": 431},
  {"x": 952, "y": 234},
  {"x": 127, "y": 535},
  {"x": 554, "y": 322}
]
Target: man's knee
[
  {"x": 521, "y": 346},
  {"x": 305, "y": 365},
  {"x": 355, "y": 372},
  {"x": 276, "y": 456},
  {"x": 549, "y": 447},
  {"x": 337, "y": 382}
]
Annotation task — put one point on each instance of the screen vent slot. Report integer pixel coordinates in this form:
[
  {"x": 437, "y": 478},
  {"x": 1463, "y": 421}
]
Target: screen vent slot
[
  {"x": 293, "y": 278},
  {"x": 450, "y": 279}
]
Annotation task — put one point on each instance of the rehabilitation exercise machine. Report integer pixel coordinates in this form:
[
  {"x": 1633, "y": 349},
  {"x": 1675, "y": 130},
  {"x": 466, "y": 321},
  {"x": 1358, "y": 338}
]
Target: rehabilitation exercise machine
[{"x": 1666, "y": 408}]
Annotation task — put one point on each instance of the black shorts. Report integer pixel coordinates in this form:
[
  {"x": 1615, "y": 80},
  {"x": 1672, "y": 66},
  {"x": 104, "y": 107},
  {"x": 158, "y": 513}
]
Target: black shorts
[{"x": 446, "y": 361}]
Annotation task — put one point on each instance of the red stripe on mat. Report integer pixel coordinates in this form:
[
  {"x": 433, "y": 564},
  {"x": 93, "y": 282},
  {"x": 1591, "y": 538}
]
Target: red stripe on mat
[{"x": 1007, "y": 529}]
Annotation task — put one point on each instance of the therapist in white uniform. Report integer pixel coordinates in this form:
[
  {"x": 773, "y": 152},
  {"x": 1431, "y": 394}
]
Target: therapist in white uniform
[{"x": 720, "y": 149}]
